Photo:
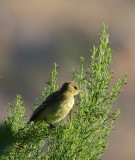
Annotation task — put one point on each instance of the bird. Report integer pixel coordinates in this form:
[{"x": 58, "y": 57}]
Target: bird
[{"x": 57, "y": 105}]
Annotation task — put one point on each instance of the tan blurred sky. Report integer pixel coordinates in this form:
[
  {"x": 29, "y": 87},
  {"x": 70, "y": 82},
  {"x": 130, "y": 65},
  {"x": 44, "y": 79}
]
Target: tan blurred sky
[{"x": 35, "y": 34}]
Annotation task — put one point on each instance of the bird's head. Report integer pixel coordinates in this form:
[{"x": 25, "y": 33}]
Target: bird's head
[{"x": 70, "y": 87}]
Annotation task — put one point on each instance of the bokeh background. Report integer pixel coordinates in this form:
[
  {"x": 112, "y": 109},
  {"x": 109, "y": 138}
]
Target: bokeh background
[{"x": 35, "y": 34}]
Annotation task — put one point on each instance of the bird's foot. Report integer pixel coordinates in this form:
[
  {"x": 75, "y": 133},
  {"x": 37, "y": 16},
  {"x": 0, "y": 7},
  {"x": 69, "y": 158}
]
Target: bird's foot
[{"x": 52, "y": 125}]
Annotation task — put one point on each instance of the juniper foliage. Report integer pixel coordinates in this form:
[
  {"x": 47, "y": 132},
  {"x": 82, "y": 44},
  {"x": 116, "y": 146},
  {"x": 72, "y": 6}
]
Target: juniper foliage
[{"x": 84, "y": 134}]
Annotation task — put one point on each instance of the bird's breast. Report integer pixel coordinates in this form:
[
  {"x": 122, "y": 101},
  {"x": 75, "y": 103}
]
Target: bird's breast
[
  {"x": 57, "y": 111},
  {"x": 67, "y": 104}
]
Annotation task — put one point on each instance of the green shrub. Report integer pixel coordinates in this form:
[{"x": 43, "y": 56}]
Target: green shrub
[{"x": 84, "y": 134}]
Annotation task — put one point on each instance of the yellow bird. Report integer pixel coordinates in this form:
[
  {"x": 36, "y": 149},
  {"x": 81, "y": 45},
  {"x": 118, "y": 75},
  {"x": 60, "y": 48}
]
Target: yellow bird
[{"x": 57, "y": 105}]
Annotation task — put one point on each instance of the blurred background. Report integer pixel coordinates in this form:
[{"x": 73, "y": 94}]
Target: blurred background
[{"x": 35, "y": 34}]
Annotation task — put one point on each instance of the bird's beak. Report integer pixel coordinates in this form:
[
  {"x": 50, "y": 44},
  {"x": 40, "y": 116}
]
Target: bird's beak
[{"x": 81, "y": 91}]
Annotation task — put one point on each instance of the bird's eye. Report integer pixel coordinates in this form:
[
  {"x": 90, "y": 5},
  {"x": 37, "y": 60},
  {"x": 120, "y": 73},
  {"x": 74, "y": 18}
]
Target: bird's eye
[{"x": 75, "y": 87}]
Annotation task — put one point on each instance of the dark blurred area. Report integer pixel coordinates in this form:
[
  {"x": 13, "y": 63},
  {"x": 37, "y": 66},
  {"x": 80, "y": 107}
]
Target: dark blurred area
[
  {"x": 35, "y": 34},
  {"x": 7, "y": 137}
]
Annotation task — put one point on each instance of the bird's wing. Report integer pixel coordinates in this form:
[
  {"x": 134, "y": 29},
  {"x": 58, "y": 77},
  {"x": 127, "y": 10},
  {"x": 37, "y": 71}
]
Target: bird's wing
[
  {"x": 52, "y": 97},
  {"x": 49, "y": 100}
]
